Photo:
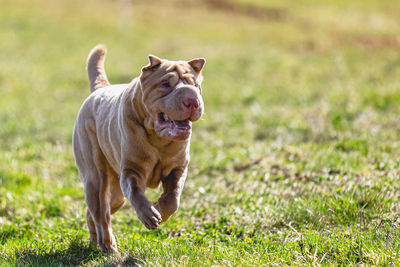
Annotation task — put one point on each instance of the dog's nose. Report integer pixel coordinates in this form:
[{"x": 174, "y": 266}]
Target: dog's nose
[{"x": 191, "y": 103}]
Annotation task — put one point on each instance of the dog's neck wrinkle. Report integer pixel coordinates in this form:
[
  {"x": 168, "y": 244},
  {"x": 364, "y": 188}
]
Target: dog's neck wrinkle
[{"x": 139, "y": 112}]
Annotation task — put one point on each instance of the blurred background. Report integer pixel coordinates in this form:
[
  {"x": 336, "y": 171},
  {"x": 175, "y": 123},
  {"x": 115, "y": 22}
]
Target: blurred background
[
  {"x": 260, "y": 53},
  {"x": 301, "y": 125}
]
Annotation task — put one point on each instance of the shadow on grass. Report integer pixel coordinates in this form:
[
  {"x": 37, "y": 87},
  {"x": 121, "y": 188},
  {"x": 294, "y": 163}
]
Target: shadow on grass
[{"x": 78, "y": 253}]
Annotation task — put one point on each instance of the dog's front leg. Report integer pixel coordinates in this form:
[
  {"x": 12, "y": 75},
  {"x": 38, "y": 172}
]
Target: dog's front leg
[
  {"x": 173, "y": 184},
  {"x": 133, "y": 189}
]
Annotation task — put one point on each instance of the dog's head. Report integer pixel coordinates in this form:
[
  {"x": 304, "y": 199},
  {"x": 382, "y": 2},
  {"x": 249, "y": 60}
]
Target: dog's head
[{"x": 171, "y": 95}]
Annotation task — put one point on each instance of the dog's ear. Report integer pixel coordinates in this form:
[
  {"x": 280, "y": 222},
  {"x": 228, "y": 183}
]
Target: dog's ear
[
  {"x": 154, "y": 61},
  {"x": 197, "y": 64}
]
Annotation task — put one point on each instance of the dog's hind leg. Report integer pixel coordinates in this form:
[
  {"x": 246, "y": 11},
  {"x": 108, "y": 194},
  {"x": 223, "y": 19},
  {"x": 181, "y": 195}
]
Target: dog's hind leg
[
  {"x": 96, "y": 175},
  {"x": 91, "y": 227},
  {"x": 117, "y": 197},
  {"x": 98, "y": 201}
]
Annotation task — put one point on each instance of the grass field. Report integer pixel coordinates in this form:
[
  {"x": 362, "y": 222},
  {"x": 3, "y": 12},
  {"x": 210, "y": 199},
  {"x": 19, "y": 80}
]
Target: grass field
[{"x": 296, "y": 162}]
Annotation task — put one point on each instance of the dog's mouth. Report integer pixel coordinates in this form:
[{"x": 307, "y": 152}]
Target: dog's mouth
[{"x": 173, "y": 129}]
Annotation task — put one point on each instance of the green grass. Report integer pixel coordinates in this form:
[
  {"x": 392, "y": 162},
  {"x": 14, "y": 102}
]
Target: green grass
[{"x": 296, "y": 162}]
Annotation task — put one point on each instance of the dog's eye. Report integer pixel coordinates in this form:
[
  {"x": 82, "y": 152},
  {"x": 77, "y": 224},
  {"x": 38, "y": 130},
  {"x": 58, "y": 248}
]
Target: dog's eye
[{"x": 165, "y": 85}]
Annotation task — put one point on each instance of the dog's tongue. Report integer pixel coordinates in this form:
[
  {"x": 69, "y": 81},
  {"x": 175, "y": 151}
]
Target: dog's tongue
[{"x": 183, "y": 124}]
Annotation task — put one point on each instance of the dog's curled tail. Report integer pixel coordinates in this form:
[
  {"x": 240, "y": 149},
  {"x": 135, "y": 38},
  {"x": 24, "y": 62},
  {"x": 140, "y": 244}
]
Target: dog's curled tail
[{"x": 95, "y": 68}]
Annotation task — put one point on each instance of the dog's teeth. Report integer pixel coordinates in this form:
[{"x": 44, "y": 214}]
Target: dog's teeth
[{"x": 166, "y": 118}]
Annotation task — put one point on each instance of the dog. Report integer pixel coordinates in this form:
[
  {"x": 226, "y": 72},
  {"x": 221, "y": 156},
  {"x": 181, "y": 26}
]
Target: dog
[{"x": 128, "y": 137}]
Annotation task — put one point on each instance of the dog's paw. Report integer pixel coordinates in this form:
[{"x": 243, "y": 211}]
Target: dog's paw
[
  {"x": 109, "y": 248},
  {"x": 166, "y": 207},
  {"x": 149, "y": 216}
]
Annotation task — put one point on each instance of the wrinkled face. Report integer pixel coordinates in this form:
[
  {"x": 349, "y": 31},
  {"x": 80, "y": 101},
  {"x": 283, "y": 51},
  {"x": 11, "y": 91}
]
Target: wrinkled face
[{"x": 172, "y": 96}]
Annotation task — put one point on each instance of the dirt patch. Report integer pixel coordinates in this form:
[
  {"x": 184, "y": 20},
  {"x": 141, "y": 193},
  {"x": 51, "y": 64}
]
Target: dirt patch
[
  {"x": 265, "y": 13},
  {"x": 240, "y": 168},
  {"x": 372, "y": 42}
]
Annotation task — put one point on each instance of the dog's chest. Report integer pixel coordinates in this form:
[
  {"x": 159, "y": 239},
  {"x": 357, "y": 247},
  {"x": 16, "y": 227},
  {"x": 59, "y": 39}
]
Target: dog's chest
[
  {"x": 155, "y": 177},
  {"x": 159, "y": 170},
  {"x": 164, "y": 167}
]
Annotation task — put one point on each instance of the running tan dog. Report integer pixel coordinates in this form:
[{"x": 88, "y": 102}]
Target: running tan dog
[{"x": 131, "y": 136}]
